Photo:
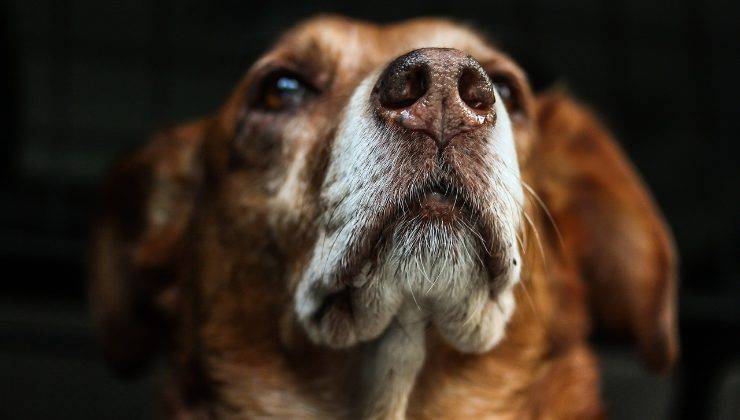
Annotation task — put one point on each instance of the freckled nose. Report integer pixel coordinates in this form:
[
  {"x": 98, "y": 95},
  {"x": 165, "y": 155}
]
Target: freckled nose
[{"x": 438, "y": 91}]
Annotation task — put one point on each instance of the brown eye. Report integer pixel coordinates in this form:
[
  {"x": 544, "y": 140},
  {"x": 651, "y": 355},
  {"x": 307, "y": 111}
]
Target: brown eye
[
  {"x": 507, "y": 91},
  {"x": 282, "y": 91}
]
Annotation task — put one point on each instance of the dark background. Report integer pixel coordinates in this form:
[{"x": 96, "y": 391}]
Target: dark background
[{"x": 84, "y": 81}]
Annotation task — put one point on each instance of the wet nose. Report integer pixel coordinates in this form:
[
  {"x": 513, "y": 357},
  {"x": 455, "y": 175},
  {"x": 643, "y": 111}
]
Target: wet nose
[{"x": 438, "y": 91}]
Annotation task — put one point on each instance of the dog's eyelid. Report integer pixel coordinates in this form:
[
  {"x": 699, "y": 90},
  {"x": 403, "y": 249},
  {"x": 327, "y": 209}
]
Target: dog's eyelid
[
  {"x": 303, "y": 72},
  {"x": 509, "y": 88},
  {"x": 503, "y": 76},
  {"x": 280, "y": 87}
]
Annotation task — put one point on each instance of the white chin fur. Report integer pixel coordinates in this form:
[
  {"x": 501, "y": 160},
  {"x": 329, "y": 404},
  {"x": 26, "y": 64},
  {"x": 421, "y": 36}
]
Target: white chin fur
[{"x": 437, "y": 269}]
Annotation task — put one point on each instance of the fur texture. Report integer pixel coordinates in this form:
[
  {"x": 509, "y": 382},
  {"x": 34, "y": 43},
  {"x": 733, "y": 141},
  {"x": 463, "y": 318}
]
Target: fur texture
[{"x": 289, "y": 264}]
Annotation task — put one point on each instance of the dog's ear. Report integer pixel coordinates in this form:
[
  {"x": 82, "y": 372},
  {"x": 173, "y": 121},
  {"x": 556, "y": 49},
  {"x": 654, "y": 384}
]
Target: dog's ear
[
  {"x": 610, "y": 225},
  {"x": 147, "y": 205}
]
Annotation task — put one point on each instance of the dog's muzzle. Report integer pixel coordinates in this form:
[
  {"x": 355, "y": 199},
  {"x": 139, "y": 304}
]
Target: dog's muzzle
[{"x": 421, "y": 207}]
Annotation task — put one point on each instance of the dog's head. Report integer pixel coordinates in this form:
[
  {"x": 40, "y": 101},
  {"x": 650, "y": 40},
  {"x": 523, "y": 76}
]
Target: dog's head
[{"x": 360, "y": 168}]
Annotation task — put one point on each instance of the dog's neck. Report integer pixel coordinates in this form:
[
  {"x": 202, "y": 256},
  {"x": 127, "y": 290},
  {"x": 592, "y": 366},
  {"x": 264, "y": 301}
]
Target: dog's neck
[{"x": 391, "y": 364}]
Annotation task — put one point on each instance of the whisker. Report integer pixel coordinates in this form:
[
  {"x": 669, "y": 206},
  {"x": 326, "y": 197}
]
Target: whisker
[
  {"x": 546, "y": 210},
  {"x": 331, "y": 248},
  {"x": 433, "y": 282},
  {"x": 522, "y": 243},
  {"x": 539, "y": 245},
  {"x": 465, "y": 245},
  {"x": 536, "y": 313},
  {"x": 423, "y": 273},
  {"x": 475, "y": 232},
  {"x": 411, "y": 289},
  {"x": 537, "y": 198},
  {"x": 536, "y": 234}
]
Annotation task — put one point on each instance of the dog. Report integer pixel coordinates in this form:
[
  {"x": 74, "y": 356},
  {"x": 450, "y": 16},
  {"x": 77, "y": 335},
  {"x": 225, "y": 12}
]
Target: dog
[{"x": 382, "y": 221}]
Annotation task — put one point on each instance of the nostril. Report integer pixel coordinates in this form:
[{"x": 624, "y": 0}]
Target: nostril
[
  {"x": 475, "y": 89},
  {"x": 402, "y": 87}
]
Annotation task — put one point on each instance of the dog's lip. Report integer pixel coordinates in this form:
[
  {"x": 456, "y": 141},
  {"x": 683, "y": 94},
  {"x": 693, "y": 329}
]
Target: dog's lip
[
  {"x": 437, "y": 195},
  {"x": 438, "y": 202},
  {"x": 443, "y": 202}
]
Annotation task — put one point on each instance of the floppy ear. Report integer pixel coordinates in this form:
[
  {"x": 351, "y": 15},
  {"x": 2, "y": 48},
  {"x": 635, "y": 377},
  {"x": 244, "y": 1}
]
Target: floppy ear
[
  {"x": 610, "y": 226},
  {"x": 147, "y": 205}
]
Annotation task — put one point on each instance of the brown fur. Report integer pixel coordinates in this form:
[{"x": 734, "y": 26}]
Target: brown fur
[{"x": 192, "y": 252}]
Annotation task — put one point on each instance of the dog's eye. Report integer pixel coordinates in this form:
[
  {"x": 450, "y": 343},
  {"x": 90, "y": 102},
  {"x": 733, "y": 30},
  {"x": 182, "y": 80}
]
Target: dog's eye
[
  {"x": 282, "y": 91},
  {"x": 508, "y": 92}
]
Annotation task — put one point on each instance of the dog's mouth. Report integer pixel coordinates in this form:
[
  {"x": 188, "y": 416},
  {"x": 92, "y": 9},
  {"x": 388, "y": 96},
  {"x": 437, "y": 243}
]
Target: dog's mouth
[
  {"x": 439, "y": 202},
  {"x": 438, "y": 207}
]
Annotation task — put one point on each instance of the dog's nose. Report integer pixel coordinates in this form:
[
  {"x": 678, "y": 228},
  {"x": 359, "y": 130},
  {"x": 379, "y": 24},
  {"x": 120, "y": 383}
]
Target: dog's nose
[{"x": 439, "y": 91}]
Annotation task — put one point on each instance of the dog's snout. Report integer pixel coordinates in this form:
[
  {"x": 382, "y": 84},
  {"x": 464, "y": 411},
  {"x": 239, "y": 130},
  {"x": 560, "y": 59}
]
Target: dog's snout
[{"x": 438, "y": 91}]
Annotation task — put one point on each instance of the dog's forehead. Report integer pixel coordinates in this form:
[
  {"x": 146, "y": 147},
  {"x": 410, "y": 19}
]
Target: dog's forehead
[{"x": 353, "y": 44}]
